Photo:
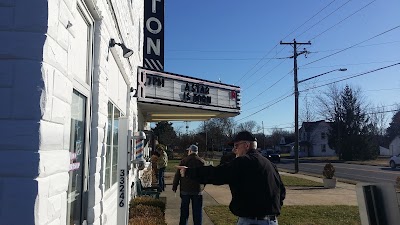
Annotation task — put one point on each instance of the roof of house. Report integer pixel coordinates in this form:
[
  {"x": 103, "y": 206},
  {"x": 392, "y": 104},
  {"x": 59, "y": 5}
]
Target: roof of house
[{"x": 310, "y": 126}]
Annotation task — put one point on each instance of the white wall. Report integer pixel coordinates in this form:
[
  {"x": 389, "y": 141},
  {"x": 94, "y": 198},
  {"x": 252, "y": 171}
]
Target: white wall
[
  {"x": 113, "y": 76},
  {"x": 394, "y": 147},
  {"x": 21, "y": 90},
  {"x": 384, "y": 151},
  {"x": 317, "y": 141},
  {"x": 36, "y": 84}
]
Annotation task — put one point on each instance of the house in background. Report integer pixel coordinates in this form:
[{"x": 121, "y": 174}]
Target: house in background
[
  {"x": 394, "y": 147},
  {"x": 384, "y": 151},
  {"x": 313, "y": 139}
]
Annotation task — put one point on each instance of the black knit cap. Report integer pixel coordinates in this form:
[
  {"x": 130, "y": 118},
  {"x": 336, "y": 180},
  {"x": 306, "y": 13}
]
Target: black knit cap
[{"x": 243, "y": 136}]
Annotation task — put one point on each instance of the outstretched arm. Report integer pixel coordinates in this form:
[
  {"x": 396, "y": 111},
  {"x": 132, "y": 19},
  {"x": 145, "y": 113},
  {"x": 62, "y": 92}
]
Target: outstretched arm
[{"x": 209, "y": 174}]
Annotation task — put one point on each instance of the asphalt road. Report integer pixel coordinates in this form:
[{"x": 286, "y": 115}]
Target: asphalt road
[{"x": 353, "y": 172}]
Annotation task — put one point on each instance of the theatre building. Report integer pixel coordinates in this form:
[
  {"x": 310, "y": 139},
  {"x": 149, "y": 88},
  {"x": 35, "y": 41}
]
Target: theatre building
[{"x": 80, "y": 81}]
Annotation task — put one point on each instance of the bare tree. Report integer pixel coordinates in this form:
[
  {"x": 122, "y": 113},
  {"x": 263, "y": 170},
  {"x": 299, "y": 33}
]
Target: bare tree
[
  {"x": 250, "y": 126},
  {"x": 218, "y": 132},
  {"x": 379, "y": 119},
  {"x": 326, "y": 102},
  {"x": 307, "y": 112}
]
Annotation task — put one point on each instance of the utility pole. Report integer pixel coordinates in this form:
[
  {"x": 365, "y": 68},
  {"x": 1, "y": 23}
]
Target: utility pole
[
  {"x": 296, "y": 100},
  {"x": 205, "y": 131},
  {"x": 262, "y": 122}
]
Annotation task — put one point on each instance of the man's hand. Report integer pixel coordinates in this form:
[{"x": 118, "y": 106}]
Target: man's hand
[
  {"x": 174, "y": 189},
  {"x": 182, "y": 170}
]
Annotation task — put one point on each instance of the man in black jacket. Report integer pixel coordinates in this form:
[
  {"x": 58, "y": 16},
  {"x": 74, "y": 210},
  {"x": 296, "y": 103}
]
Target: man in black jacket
[
  {"x": 256, "y": 186},
  {"x": 190, "y": 190}
]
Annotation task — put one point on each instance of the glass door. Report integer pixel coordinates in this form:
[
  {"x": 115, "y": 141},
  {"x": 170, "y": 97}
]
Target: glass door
[{"x": 77, "y": 154}]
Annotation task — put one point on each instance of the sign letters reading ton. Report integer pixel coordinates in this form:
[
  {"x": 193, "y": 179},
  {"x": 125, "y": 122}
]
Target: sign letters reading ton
[{"x": 153, "y": 53}]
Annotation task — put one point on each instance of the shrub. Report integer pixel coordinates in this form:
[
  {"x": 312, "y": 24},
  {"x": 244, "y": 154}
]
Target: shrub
[
  {"x": 145, "y": 211},
  {"x": 329, "y": 171},
  {"x": 149, "y": 202},
  {"x": 147, "y": 221}
]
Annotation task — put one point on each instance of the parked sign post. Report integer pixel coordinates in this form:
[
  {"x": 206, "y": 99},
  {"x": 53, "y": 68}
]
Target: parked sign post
[{"x": 125, "y": 156}]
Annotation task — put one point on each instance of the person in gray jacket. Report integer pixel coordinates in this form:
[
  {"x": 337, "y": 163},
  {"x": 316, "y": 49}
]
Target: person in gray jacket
[{"x": 190, "y": 190}]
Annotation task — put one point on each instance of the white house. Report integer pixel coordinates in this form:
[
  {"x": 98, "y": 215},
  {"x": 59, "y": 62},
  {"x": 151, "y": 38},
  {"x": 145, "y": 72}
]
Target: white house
[
  {"x": 313, "y": 139},
  {"x": 68, "y": 83},
  {"x": 394, "y": 146},
  {"x": 384, "y": 151}
]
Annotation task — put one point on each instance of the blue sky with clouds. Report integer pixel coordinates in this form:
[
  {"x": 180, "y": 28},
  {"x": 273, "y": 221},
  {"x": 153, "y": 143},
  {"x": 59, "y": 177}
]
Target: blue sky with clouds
[{"x": 237, "y": 42}]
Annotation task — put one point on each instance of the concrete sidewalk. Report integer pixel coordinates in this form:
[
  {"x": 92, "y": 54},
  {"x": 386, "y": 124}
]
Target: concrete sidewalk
[
  {"x": 343, "y": 194},
  {"x": 172, "y": 210}
]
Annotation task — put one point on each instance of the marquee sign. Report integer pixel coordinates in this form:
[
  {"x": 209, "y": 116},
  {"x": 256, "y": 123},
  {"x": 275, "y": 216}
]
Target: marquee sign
[
  {"x": 153, "y": 52},
  {"x": 178, "y": 90}
]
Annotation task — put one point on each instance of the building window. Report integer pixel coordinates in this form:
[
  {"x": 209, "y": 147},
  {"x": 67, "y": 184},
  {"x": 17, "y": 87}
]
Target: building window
[
  {"x": 323, "y": 135},
  {"x": 323, "y": 148},
  {"x": 77, "y": 152},
  {"x": 112, "y": 146}
]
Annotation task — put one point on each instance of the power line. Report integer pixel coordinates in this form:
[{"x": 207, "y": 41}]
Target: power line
[
  {"x": 264, "y": 75},
  {"x": 261, "y": 105},
  {"x": 346, "y": 76},
  {"x": 387, "y": 89},
  {"x": 213, "y": 51},
  {"x": 217, "y": 59},
  {"x": 384, "y": 89},
  {"x": 352, "y": 45},
  {"x": 343, "y": 19},
  {"x": 361, "y": 74},
  {"x": 257, "y": 63},
  {"x": 361, "y": 46},
  {"x": 324, "y": 18},
  {"x": 394, "y": 110},
  {"x": 383, "y": 106},
  {"x": 349, "y": 64},
  {"x": 266, "y": 107},
  {"x": 241, "y": 51},
  {"x": 267, "y": 88},
  {"x": 282, "y": 39},
  {"x": 310, "y": 18}
]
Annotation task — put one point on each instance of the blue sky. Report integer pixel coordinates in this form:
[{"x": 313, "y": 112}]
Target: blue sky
[{"x": 238, "y": 42}]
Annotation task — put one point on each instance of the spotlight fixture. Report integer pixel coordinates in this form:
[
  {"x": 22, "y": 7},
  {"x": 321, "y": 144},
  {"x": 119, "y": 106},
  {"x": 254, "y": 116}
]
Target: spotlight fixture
[{"x": 125, "y": 51}]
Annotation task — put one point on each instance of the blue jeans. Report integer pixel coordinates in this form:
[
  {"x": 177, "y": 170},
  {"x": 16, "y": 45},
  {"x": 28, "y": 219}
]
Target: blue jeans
[
  {"x": 161, "y": 181},
  {"x": 197, "y": 209},
  {"x": 247, "y": 221}
]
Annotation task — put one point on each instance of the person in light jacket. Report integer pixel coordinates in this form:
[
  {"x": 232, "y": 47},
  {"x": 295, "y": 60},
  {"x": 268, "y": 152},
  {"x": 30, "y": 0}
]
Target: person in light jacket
[{"x": 162, "y": 163}]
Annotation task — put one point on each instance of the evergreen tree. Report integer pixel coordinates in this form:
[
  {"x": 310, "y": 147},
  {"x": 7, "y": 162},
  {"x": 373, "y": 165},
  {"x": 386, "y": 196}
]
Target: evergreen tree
[
  {"x": 165, "y": 133},
  {"x": 351, "y": 135}
]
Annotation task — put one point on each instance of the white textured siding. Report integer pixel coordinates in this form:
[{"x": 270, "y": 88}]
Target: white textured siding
[
  {"x": 394, "y": 146},
  {"x": 317, "y": 141},
  {"x": 23, "y": 26},
  {"x": 37, "y": 68}
]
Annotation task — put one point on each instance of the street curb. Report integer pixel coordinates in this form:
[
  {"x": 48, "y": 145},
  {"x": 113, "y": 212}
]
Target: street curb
[{"x": 319, "y": 176}]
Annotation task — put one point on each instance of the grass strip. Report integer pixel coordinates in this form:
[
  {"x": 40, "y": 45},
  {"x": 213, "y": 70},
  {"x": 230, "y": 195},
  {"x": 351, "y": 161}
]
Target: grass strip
[
  {"x": 299, "y": 182},
  {"x": 296, "y": 215}
]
